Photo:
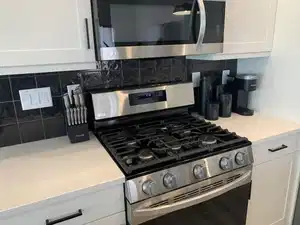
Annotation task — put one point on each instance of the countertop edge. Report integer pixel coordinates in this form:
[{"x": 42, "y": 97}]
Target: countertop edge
[{"x": 270, "y": 138}]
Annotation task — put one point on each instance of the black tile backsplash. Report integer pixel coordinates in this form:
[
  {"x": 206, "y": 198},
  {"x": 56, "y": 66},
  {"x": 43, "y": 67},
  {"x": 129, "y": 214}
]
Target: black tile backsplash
[
  {"x": 20, "y": 83},
  {"x": 5, "y": 93},
  {"x": 18, "y": 126},
  {"x": 32, "y": 131}
]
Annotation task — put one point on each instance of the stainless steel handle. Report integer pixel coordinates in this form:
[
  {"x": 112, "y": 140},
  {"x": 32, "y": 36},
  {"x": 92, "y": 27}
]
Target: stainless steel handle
[
  {"x": 202, "y": 28},
  {"x": 165, "y": 209},
  {"x": 87, "y": 33},
  {"x": 278, "y": 148}
]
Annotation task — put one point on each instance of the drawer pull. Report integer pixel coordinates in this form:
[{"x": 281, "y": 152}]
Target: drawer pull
[
  {"x": 72, "y": 216},
  {"x": 278, "y": 148}
]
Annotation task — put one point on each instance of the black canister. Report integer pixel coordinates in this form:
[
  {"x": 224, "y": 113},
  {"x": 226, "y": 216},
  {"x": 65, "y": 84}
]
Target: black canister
[
  {"x": 212, "y": 111},
  {"x": 225, "y": 105}
]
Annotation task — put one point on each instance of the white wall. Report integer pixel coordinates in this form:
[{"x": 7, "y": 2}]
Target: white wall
[{"x": 279, "y": 85}]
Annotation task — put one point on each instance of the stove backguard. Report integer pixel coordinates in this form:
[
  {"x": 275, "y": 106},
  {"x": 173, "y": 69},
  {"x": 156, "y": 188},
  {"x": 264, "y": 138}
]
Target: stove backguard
[{"x": 119, "y": 103}]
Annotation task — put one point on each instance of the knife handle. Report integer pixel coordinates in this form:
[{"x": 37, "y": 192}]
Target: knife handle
[
  {"x": 68, "y": 117},
  {"x": 78, "y": 115},
  {"x": 72, "y": 117},
  {"x": 85, "y": 114}
]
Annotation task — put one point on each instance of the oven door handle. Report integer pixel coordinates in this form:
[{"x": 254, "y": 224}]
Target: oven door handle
[
  {"x": 165, "y": 209},
  {"x": 202, "y": 28}
]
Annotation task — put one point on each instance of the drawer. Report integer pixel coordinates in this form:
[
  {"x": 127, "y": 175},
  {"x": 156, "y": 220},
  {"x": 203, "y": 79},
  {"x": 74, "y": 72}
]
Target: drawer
[
  {"x": 77, "y": 211},
  {"x": 117, "y": 219},
  {"x": 274, "y": 148}
]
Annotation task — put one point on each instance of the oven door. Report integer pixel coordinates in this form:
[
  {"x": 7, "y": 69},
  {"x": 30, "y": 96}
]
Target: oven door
[
  {"x": 127, "y": 29},
  {"x": 216, "y": 201}
]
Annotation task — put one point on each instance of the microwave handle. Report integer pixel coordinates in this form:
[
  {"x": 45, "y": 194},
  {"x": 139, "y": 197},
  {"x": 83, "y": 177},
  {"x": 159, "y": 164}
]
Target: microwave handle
[
  {"x": 192, "y": 22},
  {"x": 165, "y": 209},
  {"x": 202, "y": 29}
]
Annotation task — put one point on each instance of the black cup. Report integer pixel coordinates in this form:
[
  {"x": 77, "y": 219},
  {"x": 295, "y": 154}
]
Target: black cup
[
  {"x": 225, "y": 105},
  {"x": 212, "y": 111}
]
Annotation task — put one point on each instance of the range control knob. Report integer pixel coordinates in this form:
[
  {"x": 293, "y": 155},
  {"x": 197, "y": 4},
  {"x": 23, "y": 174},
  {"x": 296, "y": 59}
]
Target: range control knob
[
  {"x": 148, "y": 187},
  {"x": 240, "y": 158},
  {"x": 225, "y": 163},
  {"x": 169, "y": 181},
  {"x": 199, "y": 172}
]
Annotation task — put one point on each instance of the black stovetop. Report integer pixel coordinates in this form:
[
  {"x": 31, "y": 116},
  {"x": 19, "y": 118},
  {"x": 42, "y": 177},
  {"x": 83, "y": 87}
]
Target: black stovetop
[{"x": 145, "y": 146}]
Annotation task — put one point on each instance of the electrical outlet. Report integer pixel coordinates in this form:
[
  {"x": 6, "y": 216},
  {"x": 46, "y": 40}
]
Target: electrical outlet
[
  {"x": 36, "y": 98},
  {"x": 196, "y": 78}
]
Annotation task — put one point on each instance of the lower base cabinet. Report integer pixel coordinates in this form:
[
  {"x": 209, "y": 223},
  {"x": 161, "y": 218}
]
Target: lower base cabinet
[
  {"x": 116, "y": 219},
  {"x": 271, "y": 182}
]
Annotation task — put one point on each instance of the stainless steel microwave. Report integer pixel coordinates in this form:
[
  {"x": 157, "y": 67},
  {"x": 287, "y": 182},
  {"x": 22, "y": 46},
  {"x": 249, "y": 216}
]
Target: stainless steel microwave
[{"x": 129, "y": 29}]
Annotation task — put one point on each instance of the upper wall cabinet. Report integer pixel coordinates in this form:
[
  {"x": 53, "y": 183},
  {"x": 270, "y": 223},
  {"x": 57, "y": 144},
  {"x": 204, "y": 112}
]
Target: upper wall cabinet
[
  {"x": 35, "y": 32},
  {"x": 249, "y": 25}
]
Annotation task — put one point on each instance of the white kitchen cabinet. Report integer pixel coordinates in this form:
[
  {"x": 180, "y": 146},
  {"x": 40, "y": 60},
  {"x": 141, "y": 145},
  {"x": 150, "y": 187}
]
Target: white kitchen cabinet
[
  {"x": 117, "y": 219},
  {"x": 35, "y": 32},
  {"x": 93, "y": 206},
  {"x": 270, "y": 189},
  {"x": 249, "y": 26}
]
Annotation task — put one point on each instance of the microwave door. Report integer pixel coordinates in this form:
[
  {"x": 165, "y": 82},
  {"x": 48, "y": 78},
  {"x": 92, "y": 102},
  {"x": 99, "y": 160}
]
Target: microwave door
[{"x": 152, "y": 28}]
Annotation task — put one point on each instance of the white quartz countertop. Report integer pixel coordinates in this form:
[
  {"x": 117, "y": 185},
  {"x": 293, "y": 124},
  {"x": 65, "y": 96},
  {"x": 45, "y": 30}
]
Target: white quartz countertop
[
  {"x": 37, "y": 171},
  {"x": 258, "y": 126}
]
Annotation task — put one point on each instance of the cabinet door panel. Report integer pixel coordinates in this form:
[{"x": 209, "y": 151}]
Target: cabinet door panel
[
  {"x": 44, "y": 32},
  {"x": 117, "y": 219},
  {"x": 270, "y": 184},
  {"x": 249, "y": 25}
]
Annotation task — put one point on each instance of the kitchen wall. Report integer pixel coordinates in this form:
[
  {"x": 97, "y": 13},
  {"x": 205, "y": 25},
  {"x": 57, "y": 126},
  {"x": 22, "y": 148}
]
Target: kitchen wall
[
  {"x": 18, "y": 126},
  {"x": 278, "y": 88}
]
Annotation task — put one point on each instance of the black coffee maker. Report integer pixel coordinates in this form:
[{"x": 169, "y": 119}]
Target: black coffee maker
[{"x": 240, "y": 87}]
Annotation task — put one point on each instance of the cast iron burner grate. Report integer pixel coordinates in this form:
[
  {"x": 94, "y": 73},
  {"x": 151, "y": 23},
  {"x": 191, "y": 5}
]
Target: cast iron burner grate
[{"x": 139, "y": 147}]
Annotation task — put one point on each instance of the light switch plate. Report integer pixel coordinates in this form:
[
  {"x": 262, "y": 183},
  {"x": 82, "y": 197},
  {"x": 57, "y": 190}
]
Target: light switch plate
[{"x": 36, "y": 98}]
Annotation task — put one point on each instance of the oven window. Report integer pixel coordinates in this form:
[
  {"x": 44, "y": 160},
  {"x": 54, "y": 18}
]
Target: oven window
[
  {"x": 229, "y": 208},
  {"x": 157, "y": 22}
]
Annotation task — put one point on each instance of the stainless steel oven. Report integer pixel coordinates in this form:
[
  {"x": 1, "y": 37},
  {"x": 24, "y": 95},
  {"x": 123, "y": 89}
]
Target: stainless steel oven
[
  {"x": 216, "y": 201},
  {"x": 127, "y": 29}
]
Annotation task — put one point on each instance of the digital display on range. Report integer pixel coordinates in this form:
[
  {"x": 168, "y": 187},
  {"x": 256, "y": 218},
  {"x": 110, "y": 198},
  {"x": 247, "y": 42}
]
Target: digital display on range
[{"x": 147, "y": 97}]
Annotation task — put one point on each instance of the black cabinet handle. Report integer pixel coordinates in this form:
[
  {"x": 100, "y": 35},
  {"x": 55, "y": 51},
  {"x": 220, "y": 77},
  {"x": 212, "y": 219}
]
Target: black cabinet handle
[
  {"x": 72, "y": 216},
  {"x": 278, "y": 148},
  {"x": 87, "y": 33}
]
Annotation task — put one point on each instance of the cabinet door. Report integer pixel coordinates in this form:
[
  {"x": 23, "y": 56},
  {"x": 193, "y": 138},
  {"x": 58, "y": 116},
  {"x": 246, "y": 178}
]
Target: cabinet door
[
  {"x": 270, "y": 186},
  {"x": 117, "y": 219},
  {"x": 35, "y": 32},
  {"x": 249, "y": 25}
]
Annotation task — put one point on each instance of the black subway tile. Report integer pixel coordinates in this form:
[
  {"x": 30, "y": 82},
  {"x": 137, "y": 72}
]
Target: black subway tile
[
  {"x": 5, "y": 91},
  {"x": 9, "y": 135},
  {"x": 27, "y": 115},
  {"x": 49, "y": 80},
  {"x": 56, "y": 110},
  {"x": 55, "y": 127},
  {"x": 131, "y": 77},
  {"x": 69, "y": 77},
  {"x": 7, "y": 114},
  {"x": 20, "y": 83},
  {"x": 31, "y": 131}
]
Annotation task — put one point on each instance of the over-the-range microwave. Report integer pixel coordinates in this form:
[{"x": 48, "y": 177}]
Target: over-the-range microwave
[{"x": 129, "y": 29}]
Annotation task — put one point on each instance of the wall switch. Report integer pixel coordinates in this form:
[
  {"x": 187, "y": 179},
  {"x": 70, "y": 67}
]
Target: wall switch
[
  {"x": 196, "y": 78},
  {"x": 36, "y": 98}
]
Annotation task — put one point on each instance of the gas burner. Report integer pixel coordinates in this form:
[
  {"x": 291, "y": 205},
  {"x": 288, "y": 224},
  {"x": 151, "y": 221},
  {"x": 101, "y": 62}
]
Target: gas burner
[
  {"x": 128, "y": 159},
  {"x": 207, "y": 139},
  {"x": 145, "y": 155},
  {"x": 147, "y": 132}
]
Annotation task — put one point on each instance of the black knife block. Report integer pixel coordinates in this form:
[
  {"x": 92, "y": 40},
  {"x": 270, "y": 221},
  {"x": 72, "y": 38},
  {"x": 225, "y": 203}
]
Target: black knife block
[{"x": 78, "y": 133}]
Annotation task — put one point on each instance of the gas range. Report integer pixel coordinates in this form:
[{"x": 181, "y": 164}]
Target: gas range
[
  {"x": 171, "y": 160},
  {"x": 166, "y": 141}
]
